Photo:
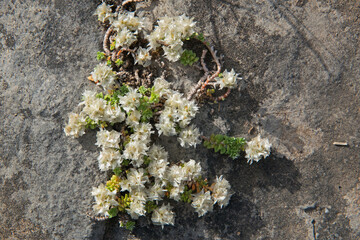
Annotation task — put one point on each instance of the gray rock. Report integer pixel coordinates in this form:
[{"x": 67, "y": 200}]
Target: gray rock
[{"x": 299, "y": 62}]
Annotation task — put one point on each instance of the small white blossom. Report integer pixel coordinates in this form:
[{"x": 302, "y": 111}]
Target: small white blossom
[
  {"x": 157, "y": 191},
  {"x": 128, "y": 20},
  {"x": 103, "y": 11},
  {"x": 220, "y": 191},
  {"x": 137, "y": 209},
  {"x": 165, "y": 126},
  {"x": 202, "y": 202},
  {"x": 134, "y": 118},
  {"x": 135, "y": 150},
  {"x": 76, "y": 125},
  {"x": 137, "y": 178},
  {"x": 228, "y": 79},
  {"x": 104, "y": 76},
  {"x": 109, "y": 159},
  {"x": 143, "y": 56},
  {"x": 257, "y": 148},
  {"x": 191, "y": 170},
  {"x": 113, "y": 114},
  {"x": 189, "y": 137},
  {"x": 124, "y": 38},
  {"x": 162, "y": 87},
  {"x": 158, "y": 168},
  {"x": 130, "y": 101},
  {"x": 104, "y": 200},
  {"x": 163, "y": 216},
  {"x": 157, "y": 152},
  {"x": 108, "y": 139}
]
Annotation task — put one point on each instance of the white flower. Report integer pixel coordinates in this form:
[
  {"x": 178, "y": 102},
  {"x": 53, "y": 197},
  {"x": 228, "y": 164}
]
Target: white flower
[
  {"x": 162, "y": 87},
  {"x": 104, "y": 76},
  {"x": 176, "y": 175},
  {"x": 109, "y": 159},
  {"x": 170, "y": 32},
  {"x": 157, "y": 191},
  {"x": 228, "y": 79},
  {"x": 189, "y": 137},
  {"x": 158, "y": 167},
  {"x": 173, "y": 52},
  {"x": 220, "y": 191},
  {"x": 94, "y": 107},
  {"x": 191, "y": 170},
  {"x": 165, "y": 126},
  {"x": 157, "y": 152},
  {"x": 113, "y": 114},
  {"x": 137, "y": 208},
  {"x": 124, "y": 38},
  {"x": 143, "y": 56},
  {"x": 137, "y": 178},
  {"x": 135, "y": 150},
  {"x": 108, "y": 139},
  {"x": 76, "y": 125},
  {"x": 104, "y": 13},
  {"x": 134, "y": 118},
  {"x": 202, "y": 202},
  {"x": 176, "y": 191},
  {"x": 104, "y": 200},
  {"x": 128, "y": 20},
  {"x": 130, "y": 101},
  {"x": 163, "y": 216},
  {"x": 143, "y": 132},
  {"x": 257, "y": 148}
]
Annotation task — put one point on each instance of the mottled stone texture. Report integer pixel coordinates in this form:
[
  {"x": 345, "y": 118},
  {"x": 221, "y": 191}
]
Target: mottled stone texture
[{"x": 300, "y": 65}]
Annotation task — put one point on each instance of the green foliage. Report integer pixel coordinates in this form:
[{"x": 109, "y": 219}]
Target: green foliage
[
  {"x": 130, "y": 225},
  {"x": 198, "y": 36},
  {"x": 188, "y": 57},
  {"x": 201, "y": 182},
  {"x": 113, "y": 183},
  {"x": 150, "y": 206},
  {"x": 92, "y": 124},
  {"x": 186, "y": 195},
  {"x": 147, "y": 160},
  {"x": 124, "y": 202},
  {"x": 119, "y": 62},
  {"x": 117, "y": 171},
  {"x": 108, "y": 62},
  {"x": 112, "y": 45},
  {"x": 123, "y": 90},
  {"x": 100, "y": 56},
  {"x": 125, "y": 162},
  {"x": 226, "y": 145},
  {"x": 149, "y": 97},
  {"x": 113, "y": 212}
]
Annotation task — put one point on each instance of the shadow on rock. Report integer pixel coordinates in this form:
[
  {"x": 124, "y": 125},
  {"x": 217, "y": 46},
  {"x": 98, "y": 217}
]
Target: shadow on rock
[{"x": 274, "y": 171}]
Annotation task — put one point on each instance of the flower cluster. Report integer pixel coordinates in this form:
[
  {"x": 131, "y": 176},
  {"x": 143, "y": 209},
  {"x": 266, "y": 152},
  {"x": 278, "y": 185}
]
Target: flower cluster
[
  {"x": 170, "y": 33},
  {"x": 130, "y": 117},
  {"x": 227, "y": 79},
  {"x": 143, "y": 178},
  {"x": 257, "y": 148}
]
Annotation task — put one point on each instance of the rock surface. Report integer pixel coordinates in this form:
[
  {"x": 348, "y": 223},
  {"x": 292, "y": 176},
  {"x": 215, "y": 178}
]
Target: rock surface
[{"x": 299, "y": 61}]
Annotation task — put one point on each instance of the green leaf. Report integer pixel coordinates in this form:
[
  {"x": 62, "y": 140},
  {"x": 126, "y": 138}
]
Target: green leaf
[
  {"x": 117, "y": 171},
  {"x": 100, "y": 56},
  {"x": 119, "y": 62},
  {"x": 188, "y": 57},
  {"x": 130, "y": 225},
  {"x": 113, "y": 212}
]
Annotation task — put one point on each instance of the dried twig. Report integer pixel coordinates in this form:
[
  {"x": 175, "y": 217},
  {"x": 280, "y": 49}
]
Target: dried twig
[
  {"x": 130, "y": 1},
  {"x": 212, "y": 77},
  {"x": 345, "y": 144},
  {"x": 107, "y": 41}
]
